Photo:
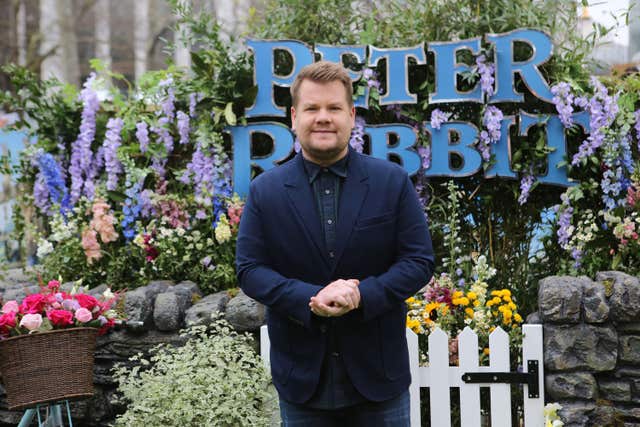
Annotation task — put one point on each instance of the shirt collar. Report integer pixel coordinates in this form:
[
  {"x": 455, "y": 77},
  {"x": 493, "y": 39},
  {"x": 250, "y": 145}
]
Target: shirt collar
[{"x": 339, "y": 168}]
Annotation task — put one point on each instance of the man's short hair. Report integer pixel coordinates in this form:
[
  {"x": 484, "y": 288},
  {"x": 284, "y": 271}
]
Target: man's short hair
[{"x": 322, "y": 72}]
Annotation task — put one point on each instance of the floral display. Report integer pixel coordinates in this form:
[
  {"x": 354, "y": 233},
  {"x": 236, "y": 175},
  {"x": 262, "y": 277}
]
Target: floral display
[
  {"x": 53, "y": 308},
  {"x": 113, "y": 186},
  {"x": 453, "y": 303}
]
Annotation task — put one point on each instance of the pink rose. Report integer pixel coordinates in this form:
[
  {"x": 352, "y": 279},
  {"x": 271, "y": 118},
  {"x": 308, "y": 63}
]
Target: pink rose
[
  {"x": 60, "y": 317},
  {"x": 10, "y": 307},
  {"x": 33, "y": 303},
  {"x": 86, "y": 301},
  {"x": 53, "y": 285},
  {"x": 31, "y": 321},
  {"x": 7, "y": 321},
  {"x": 83, "y": 315}
]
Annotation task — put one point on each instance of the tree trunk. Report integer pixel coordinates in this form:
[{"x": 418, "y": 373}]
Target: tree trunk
[
  {"x": 59, "y": 44},
  {"x": 141, "y": 37},
  {"x": 21, "y": 33},
  {"x": 102, "y": 13},
  {"x": 182, "y": 55}
]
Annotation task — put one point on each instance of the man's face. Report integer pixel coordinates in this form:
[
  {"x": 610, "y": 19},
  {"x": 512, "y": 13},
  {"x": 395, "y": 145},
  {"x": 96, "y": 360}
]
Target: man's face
[{"x": 322, "y": 121}]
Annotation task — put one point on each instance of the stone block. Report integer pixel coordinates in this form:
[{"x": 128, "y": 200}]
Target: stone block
[
  {"x": 579, "y": 385},
  {"x": 576, "y": 413},
  {"x": 156, "y": 287},
  {"x": 168, "y": 312},
  {"x": 594, "y": 303},
  {"x": 200, "y": 313},
  {"x": 630, "y": 349},
  {"x": 560, "y": 298},
  {"x": 615, "y": 390},
  {"x": 244, "y": 313},
  {"x": 581, "y": 346},
  {"x": 625, "y": 295},
  {"x": 138, "y": 307}
]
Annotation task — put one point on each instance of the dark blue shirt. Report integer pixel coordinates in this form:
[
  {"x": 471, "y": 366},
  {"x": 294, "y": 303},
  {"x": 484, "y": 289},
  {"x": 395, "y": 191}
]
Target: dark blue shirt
[{"x": 335, "y": 389}]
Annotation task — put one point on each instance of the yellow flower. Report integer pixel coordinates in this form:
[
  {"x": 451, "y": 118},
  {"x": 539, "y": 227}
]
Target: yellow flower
[
  {"x": 457, "y": 294},
  {"x": 223, "y": 231},
  {"x": 517, "y": 318},
  {"x": 496, "y": 300},
  {"x": 476, "y": 303},
  {"x": 410, "y": 300},
  {"x": 472, "y": 295},
  {"x": 496, "y": 293},
  {"x": 469, "y": 312},
  {"x": 506, "y": 293},
  {"x": 413, "y": 324},
  {"x": 431, "y": 306},
  {"x": 512, "y": 306},
  {"x": 485, "y": 351}
]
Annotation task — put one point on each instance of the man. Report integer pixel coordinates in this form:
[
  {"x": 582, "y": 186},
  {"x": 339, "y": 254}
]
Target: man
[{"x": 333, "y": 242}]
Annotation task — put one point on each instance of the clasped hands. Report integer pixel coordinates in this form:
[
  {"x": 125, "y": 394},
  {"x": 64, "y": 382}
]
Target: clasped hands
[{"x": 336, "y": 299}]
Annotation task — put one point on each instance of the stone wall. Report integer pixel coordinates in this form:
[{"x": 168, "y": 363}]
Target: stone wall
[
  {"x": 163, "y": 308},
  {"x": 591, "y": 340},
  {"x": 592, "y": 347}
]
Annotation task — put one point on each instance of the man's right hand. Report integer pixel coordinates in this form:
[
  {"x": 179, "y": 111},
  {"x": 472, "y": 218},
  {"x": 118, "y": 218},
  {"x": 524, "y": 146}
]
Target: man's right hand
[{"x": 336, "y": 299}]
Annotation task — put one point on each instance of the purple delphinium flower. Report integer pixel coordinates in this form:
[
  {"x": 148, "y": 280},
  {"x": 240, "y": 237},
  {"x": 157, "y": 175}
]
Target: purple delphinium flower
[
  {"x": 491, "y": 121},
  {"x": 111, "y": 144},
  {"x": 576, "y": 254},
  {"x": 357, "y": 135},
  {"x": 296, "y": 145},
  {"x": 41, "y": 193},
  {"x": 158, "y": 166},
  {"x": 525, "y": 187},
  {"x": 371, "y": 78},
  {"x": 425, "y": 156},
  {"x": 563, "y": 100},
  {"x": 163, "y": 132},
  {"x": 183, "y": 127},
  {"x": 486, "y": 71},
  {"x": 81, "y": 154},
  {"x": 565, "y": 229},
  {"x": 51, "y": 187},
  {"x": 438, "y": 117},
  {"x": 168, "y": 103},
  {"x": 422, "y": 189},
  {"x": 193, "y": 101},
  {"x": 142, "y": 135},
  {"x": 146, "y": 204},
  {"x": 611, "y": 185},
  {"x": 637, "y": 126},
  {"x": 602, "y": 110}
]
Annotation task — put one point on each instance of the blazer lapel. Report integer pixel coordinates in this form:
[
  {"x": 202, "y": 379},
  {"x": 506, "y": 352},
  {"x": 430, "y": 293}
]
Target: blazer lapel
[
  {"x": 352, "y": 196},
  {"x": 304, "y": 203}
]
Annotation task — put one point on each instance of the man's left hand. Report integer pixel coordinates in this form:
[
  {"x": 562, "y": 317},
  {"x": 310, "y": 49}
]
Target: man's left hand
[{"x": 336, "y": 299}]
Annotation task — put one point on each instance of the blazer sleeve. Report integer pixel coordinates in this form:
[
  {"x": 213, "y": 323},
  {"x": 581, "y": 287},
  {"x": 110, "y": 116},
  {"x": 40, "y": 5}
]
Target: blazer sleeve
[
  {"x": 414, "y": 263},
  {"x": 257, "y": 278}
]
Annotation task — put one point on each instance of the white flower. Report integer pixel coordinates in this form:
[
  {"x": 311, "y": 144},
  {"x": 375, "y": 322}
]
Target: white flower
[
  {"x": 44, "y": 248},
  {"x": 107, "y": 294}
]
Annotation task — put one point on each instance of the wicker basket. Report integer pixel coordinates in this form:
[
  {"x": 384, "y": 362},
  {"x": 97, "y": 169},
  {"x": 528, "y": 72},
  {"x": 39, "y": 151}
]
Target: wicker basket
[{"x": 49, "y": 366}]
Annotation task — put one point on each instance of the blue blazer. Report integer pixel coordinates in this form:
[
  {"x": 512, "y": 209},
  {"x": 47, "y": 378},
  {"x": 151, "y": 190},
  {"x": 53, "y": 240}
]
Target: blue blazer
[{"x": 382, "y": 239}]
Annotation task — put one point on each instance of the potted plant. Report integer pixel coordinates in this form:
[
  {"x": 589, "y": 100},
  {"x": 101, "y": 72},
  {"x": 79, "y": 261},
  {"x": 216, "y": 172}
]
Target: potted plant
[{"x": 47, "y": 343}]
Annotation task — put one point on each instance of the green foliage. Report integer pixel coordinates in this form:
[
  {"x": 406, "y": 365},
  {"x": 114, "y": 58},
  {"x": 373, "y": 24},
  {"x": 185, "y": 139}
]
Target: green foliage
[{"x": 215, "y": 379}]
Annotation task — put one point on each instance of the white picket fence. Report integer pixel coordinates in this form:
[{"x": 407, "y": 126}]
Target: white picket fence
[{"x": 440, "y": 377}]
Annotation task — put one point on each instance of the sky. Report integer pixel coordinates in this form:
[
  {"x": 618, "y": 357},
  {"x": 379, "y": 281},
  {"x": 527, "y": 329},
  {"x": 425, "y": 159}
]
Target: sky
[{"x": 602, "y": 10}]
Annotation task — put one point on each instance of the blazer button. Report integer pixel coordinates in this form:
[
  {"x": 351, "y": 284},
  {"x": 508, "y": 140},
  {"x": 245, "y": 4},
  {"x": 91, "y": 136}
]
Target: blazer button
[{"x": 323, "y": 328}]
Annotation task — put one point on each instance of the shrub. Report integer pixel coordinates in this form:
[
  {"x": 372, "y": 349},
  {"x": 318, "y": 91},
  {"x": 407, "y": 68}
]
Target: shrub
[{"x": 215, "y": 379}]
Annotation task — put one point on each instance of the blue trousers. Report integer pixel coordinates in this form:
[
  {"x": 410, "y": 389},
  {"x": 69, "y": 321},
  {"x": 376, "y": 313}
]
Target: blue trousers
[{"x": 390, "y": 413}]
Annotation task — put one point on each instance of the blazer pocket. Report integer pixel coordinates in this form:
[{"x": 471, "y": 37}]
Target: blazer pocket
[{"x": 373, "y": 221}]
